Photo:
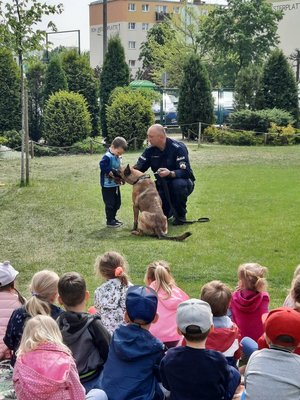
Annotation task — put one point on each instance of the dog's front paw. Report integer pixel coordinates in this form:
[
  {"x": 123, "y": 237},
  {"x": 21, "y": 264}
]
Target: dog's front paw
[{"x": 136, "y": 232}]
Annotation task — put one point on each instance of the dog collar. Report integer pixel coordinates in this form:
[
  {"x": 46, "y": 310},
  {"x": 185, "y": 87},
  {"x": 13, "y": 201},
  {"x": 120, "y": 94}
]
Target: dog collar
[{"x": 141, "y": 178}]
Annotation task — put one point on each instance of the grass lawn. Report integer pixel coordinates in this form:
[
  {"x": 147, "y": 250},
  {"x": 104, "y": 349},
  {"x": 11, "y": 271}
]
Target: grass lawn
[{"x": 251, "y": 194}]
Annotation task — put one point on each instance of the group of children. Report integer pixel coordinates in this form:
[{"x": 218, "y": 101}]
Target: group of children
[{"x": 148, "y": 342}]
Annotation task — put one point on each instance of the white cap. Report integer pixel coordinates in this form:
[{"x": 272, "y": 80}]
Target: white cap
[
  {"x": 194, "y": 312},
  {"x": 7, "y": 273}
]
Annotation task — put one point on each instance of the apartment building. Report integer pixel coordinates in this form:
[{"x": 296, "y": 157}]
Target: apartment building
[
  {"x": 289, "y": 26},
  {"x": 130, "y": 19}
]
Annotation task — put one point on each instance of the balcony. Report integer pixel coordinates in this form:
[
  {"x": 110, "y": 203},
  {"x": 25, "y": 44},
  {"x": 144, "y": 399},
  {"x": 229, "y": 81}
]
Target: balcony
[{"x": 161, "y": 16}]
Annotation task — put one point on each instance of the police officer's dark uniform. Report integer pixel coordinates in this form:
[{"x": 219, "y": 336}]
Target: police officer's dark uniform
[{"x": 181, "y": 184}]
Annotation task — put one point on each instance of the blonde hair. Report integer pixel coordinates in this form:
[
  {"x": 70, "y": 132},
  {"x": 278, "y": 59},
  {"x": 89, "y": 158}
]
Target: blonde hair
[
  {"x": 112, "y": 265},
  {"x": 252, "y": 276},
  {"x": 218, "y": 296},
  {"x": 295, "y": 292},
  {"x": 159, "y": 271},
  {"x": 40, "y": 329},
  {"x": 43, "y": 288}
]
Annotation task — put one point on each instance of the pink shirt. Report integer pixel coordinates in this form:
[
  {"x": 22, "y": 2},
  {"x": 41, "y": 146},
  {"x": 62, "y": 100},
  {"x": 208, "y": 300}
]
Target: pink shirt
[
  {"x": 9, "y": 301},
  {"x": 247, "y": 308},
  {"x": 47, "y": 373},
  {"x": 165, "y": 328}
]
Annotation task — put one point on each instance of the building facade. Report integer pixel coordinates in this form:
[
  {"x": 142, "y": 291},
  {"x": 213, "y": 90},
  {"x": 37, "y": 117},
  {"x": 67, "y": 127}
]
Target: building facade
[{"x": 130, "y": 19}]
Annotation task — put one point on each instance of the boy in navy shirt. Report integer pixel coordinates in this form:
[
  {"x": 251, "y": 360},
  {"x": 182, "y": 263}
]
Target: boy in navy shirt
[
  {"x": 192, "y": 372},
  {"x": 110, "y": 188}
]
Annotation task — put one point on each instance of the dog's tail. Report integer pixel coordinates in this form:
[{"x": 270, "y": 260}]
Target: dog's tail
[{"x": 180, "y": 238}]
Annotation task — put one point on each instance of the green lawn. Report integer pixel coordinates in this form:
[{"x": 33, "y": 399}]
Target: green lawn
[{"x": 252, "y": 196}]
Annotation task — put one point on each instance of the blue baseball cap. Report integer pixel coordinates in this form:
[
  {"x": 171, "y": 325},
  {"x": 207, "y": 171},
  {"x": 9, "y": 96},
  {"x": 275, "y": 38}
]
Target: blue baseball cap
[{"x": 141, "y": 303}]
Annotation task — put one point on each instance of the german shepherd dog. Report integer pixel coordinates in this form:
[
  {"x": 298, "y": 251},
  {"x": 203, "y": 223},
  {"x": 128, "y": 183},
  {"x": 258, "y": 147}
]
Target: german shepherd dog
[{"x": 149, "y": 218}]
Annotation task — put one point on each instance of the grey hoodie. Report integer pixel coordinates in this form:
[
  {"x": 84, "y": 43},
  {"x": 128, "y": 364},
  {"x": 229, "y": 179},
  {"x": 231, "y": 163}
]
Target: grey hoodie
[{"x": 88, "y": 340}]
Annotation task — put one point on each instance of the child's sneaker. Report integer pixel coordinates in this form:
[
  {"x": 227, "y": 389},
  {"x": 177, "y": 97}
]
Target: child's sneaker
[
  {"x": 119, "y": 222},
  {"x": 113, "y": 224}
]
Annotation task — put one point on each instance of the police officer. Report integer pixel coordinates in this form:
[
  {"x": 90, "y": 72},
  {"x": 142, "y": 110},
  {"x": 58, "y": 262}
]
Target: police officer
[{"x": 169, "y": 160}]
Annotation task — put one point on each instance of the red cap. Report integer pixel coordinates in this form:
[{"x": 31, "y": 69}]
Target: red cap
[{"x": 283, "y": 321}]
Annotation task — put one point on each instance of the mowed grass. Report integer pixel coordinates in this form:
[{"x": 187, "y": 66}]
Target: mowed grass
[{"x": 252, "y": 196}]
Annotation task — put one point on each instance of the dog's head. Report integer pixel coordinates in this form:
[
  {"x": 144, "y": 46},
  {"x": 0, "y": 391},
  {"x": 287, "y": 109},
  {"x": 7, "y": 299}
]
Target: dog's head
[{"x": 128, "y": 174}]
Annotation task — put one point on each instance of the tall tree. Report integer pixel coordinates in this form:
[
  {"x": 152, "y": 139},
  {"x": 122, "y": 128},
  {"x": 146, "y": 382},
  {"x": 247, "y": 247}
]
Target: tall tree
[
  {"x": 19, "y": 18},
  {"x": 115, "y": 72},
  {"x": 279, "y": 84},
  {"x": 81, "y": 79},
  {"x": 55, "y": 78},
  {"x": 247, "y": 91},
  {"x": 243, "y": 30},
  {"x": 35, "y": 79},
  {"x": 10, "y": 89},
  {"x": 195, "y": 98}
]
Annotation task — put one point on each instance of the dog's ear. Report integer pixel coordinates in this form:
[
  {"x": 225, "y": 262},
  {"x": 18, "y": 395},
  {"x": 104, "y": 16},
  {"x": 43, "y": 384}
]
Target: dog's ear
[{"x": 127, "y": 170}]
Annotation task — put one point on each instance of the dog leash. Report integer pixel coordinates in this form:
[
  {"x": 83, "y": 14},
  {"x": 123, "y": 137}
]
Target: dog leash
[{"x": 167, "y": 194}]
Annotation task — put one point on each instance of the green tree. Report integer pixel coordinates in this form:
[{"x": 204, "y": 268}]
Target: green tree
[
  {"x": 279, "y": 85},
  {"x": 195, "y": 98},
  {"x": 19, "y": 31},
  {"x": 115, "y": 72},
  {"x": 244, "y": 31},
  {"x": 10, "y": 89},
  {"x": 81, "y": 78},
  {"x": 55, "y": 79},
  {"x": 247, "y": 91},
  {"x": 66, "y": 119},
  {"x": 129, "y": 115},
  {"x": 35, "y": 80}
]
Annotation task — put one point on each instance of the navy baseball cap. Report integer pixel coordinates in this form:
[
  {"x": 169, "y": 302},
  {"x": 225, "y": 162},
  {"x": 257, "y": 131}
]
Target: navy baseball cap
[{"x": 141, "y": 303}]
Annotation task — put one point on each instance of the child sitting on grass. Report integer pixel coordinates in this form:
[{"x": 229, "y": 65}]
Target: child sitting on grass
[
  {"x": 158, "y": 277},
  {"x": 109, "y": 299},
  {"x": 10, "y": 299},
  {"x": 250, "y": 301},
  {"x": 130, "y": 371},
  {"x": 225, "y": 337},
  {"x": 273, "y": 373},
  {"x": 43, "y": 288},
  {"x": 192, "y": 372},
  {"x": 83, "y": 333},
  {"x": 45, "y": 368}
]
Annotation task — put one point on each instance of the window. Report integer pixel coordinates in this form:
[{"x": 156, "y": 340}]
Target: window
[
  {"x": 145, "y": 7},
  {"x": 176, "y": 10},
  {"x": 145, "y": 26},
  {"x": 131, "y": 44},
  {"x": 131, "y": 7},
  {"x": 131, "y": 63},
  {"x": 162, "y": 9},
  {"x": 131, "y": 26}
]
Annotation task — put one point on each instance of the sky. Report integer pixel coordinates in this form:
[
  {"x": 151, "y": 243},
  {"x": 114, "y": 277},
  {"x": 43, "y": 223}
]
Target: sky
[{"x": 76, "y": 16}]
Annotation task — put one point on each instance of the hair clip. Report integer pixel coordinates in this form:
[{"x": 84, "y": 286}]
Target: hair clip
[
  {"x": 119, "y": 271},
  {"x": 34, "y": 294}
]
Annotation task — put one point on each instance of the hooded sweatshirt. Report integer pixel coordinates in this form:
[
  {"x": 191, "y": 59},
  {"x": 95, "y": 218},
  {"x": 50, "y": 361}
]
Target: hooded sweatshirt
[
  {"x": 165, "y": 329},
  {"x": 133, "y": 360},
  {"x": 47, "y": 373},
  {"x": 247, "y": 308},
  {"x": 88, "y": 340}
]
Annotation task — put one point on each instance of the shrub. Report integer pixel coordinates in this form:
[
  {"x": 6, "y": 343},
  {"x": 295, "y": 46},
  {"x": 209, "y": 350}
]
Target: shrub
[
  {"x": 280, "y": 135},
  {"x": 228, "y": 137},
  {"x": 3, "y": 140},
  {"x": 259, "y": 121},
  {"x": 129, "y": 115},
  {"x": 13, "y": 139},
  {"x": 66, "y": 119}
]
